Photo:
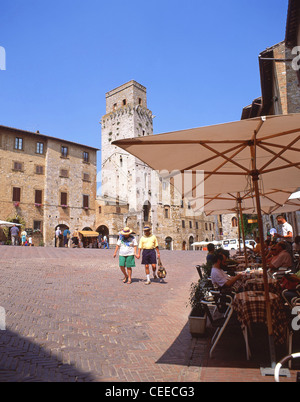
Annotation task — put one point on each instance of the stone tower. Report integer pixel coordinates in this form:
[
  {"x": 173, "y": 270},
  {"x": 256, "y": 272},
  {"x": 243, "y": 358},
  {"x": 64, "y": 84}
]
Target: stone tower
[{"x": 125, "y": 178}]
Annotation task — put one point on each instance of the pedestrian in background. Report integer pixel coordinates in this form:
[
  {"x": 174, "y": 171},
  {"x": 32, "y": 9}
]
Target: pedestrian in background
[
  {"x": 14, "y": 232},
  {"x": 127, "y": 245},
  {"x": 149, "y": 244}
]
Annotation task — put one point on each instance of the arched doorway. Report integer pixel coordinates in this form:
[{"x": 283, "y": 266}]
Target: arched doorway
[
  {"x": 191, "y": 241},
  {"x": 103, "y": 230},
  {"x": 184, "y": 245},
  {"x": 146, "y": 211},
  {"x": 59, "y": 242},
  {"x": 169, "y": 243}
]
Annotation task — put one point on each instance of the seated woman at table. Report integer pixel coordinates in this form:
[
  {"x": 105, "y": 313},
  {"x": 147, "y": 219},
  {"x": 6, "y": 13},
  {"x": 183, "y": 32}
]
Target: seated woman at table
[
  {"x": 219, "y": 278},
  {"x": 281, "y": 259}
]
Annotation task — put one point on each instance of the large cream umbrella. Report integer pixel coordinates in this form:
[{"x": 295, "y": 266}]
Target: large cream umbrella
[
  {"x": 271, "y": 201},
  {"x": 232, "y": 156}
]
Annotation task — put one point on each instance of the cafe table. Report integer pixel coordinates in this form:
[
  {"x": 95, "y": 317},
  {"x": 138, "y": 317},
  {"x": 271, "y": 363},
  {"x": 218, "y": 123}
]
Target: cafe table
[
  {"x": 257, "y": 284},
  {"x": 250, "y": 307}
]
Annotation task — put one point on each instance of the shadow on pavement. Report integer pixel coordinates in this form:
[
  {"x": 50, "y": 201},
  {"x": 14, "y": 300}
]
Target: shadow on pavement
[
  {"x": 230, "y": 352},
  {"x": 22, "y": 360}
]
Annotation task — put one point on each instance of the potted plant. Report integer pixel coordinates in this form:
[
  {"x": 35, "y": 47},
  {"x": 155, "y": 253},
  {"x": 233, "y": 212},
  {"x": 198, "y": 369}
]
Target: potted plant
[{"x": 197, "y": 317}]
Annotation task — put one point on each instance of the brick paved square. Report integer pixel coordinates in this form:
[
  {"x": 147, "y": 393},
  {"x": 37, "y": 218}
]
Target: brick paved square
[{"x": 69, "y": 317}]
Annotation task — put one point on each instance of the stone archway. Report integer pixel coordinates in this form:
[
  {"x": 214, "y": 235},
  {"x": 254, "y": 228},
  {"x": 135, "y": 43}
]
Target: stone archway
[
  {"x": 169, "y": 243},
  {"x": 191, "y": 241},
  {"x": 146, "y": 212},
  {"x": 62, "y": 227},
  {"x": 103, "y": 230}
]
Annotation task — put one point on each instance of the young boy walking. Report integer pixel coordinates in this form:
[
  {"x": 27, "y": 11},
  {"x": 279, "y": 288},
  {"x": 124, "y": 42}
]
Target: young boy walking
[
  {"x": 148, "y": 243},
  {"x": 127, "y": 245}
]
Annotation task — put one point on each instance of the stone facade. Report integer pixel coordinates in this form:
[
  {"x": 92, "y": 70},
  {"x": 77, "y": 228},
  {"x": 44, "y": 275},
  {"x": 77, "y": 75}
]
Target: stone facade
[
  {"x": 280, "y": 82},
  {"x": 132, "y": 193},
  {"x": 39, "y": 173}
]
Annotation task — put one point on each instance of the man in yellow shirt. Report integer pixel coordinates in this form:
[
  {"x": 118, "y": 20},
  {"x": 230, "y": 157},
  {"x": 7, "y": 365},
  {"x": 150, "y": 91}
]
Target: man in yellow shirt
[{"x": 148, "y": 243}]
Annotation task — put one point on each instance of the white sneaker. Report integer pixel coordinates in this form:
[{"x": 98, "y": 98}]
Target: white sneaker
[{"x": 147, "y": 282}]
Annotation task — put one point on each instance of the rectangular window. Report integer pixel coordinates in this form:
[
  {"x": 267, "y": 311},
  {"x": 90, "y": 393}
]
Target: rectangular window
[
  {"x": 64, "y": 173},
  {"x": 63, "y": 199},
  {"x": 86, "y": 157},
  {"x": 38, "y": 199},
  {"x": 64, "y": 152},
  {"x": 40, "y": 148},
  {"x": 37, "y": 225},
  {"x": 86, "y": 201},
  {"x": 18, "y": 166},
  {"x": 166, "y": 213},
  {"x": 86, "y": 177},
  {"x": 19, "y": 143},
  {"x": 183, "y": 224},
  {"x": 197, "y": 225},
  {"x": 191, "y": 224},
  {"x": 16, "y": 194},
  {"x": 39, "y": 169}
]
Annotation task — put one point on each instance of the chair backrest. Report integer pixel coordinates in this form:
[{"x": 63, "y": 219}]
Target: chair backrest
[
  {"x": 198, "y": 267},
  {"x": 222, "y": 302}
]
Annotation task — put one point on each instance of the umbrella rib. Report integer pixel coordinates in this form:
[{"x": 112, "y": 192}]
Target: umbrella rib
[
  {"x": 296, "y": 130},
  {"x": 226, "y": 158},
  {"x": 214, "y": 157},
  {"x": 239, "y": 149},
  {"x": 296, "y": 165},
  {"x": 278, "y": 146},
  {"x": 278, "y": 155}
]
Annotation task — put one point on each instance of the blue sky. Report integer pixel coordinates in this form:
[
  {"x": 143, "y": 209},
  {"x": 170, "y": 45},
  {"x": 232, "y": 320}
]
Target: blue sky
[{"x": 198, "y": 60}]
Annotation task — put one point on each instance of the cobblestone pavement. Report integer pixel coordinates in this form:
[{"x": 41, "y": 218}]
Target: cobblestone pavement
[{"x": 69, "y": 317}]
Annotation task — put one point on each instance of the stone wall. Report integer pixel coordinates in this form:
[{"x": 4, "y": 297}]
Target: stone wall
[{"x": 49, "y": 179}]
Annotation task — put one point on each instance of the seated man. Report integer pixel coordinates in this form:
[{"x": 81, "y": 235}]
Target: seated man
[
  {"x": 281, "y": 259},
  {"x": 219, "y": 278},
  {"x": 211, "y": 250},
  {"x": 290, "y": 283}
]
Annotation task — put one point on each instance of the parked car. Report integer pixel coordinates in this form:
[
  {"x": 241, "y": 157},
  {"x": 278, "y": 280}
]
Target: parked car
[{"x": 233, "y": 244}]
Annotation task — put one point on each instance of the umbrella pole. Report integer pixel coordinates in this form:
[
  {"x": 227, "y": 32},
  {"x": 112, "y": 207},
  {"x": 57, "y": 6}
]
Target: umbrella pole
[
  {"x": 243, "y": 229},
  {"x": 239, "y": 231},
  {"x": 255, "y": 178}
]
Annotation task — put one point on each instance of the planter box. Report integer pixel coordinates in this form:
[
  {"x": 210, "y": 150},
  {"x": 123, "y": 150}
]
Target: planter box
[{"x": 197, "y": 324}]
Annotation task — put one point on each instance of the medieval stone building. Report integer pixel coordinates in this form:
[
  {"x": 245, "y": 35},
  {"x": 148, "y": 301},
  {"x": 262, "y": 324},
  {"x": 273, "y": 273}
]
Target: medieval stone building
[
  {"x": 132, "y": 193},
  {"x": 280, "y": 83},
  {"x": 46, "y": 182}
]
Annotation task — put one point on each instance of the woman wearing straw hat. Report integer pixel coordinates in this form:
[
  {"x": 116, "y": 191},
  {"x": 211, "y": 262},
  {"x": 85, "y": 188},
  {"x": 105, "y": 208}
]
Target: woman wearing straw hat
[
  {"x": 127, "y": 245},
  {"x": 148, "y": 243}
]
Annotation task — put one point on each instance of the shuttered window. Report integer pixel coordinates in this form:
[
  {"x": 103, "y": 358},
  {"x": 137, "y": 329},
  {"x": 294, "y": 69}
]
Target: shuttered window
[
  {"x": 85, "y": 201},
  {"x": 63, "y": 199},
  {"x": 16, "y": 194},
  {"x": 38, "y": 196}
]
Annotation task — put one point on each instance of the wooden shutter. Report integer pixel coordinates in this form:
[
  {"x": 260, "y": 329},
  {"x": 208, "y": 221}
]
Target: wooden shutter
[
  {"x": 16, "y": 194},
  {"x": 63, "y": 199},
  {"x": 38, "y": 196}
]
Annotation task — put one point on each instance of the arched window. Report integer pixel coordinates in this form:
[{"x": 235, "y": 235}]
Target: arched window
[{"x": 234, "y": 222}]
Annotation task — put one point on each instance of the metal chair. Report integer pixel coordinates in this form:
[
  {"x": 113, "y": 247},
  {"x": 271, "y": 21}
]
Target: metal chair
[
  {"x": 223, "y": 304},
  {"x": 294, "y": 323}
]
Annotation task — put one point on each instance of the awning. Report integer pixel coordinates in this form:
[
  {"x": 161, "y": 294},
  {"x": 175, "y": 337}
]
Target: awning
[
  {"x": 88, "y": 233},
  {"x": 8, "y": 224}
]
